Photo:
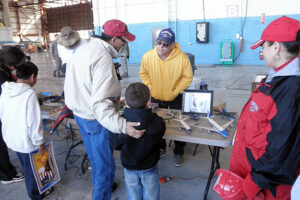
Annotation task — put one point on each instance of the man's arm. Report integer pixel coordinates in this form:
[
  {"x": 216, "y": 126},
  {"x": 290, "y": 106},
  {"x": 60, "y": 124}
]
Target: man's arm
[
  {"x": 187, "y": 77},
  {"x": 144, "y": 73},
  {"x": 106, "y": 91}
]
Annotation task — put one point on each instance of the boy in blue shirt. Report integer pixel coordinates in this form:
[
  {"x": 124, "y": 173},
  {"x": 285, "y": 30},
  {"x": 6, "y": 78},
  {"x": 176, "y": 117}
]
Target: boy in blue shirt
[{"x": 139, "y": 157}]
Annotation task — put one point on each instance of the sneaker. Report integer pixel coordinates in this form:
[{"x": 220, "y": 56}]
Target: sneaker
[
  {"x": 178, "y": 160},
  {"x": 47, "y": 192},
  {"x": 17, "y": 178},
  {"x": 163, "y": 153}
]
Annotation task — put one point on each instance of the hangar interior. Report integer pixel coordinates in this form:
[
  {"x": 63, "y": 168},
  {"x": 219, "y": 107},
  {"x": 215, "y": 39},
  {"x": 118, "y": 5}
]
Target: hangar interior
[{"x": 216, "y": 34}]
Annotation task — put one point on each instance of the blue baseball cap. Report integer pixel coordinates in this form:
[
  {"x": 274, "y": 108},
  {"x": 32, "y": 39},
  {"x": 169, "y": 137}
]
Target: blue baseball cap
[{"x": 166, "y": 35}]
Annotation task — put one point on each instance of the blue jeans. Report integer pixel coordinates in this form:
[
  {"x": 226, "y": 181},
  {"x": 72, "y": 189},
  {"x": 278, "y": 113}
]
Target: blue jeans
[
  {"x": 142, "y": 184},
  {"x": 31, "y": 185},
  {"x": 96, "y": 141}
]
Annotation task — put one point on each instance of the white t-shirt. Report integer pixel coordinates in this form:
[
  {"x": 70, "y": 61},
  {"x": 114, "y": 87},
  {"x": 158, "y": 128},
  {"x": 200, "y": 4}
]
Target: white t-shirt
[{"x": 295, "y": 193}]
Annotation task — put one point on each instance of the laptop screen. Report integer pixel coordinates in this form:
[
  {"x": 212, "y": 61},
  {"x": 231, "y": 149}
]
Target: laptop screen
[{"x": 198, "y": 102}]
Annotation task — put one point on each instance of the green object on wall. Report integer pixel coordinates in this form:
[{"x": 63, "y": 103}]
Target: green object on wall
[{"x": 226, "y": 53}]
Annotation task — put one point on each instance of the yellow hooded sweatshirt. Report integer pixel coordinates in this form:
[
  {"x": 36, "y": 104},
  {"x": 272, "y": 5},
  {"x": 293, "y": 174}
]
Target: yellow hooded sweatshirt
[{"x": 166, "y": 78}]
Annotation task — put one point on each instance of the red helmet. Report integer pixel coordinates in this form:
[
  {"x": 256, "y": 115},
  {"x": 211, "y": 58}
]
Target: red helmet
[{"x": 229, "y": 185}]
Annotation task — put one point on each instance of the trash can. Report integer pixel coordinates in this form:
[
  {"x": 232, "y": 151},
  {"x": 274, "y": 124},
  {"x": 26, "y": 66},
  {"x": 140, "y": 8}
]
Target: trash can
[{"x": 192, "y": 60}]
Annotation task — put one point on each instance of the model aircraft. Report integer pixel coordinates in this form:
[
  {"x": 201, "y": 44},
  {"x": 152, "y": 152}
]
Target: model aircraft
[
  {"x": 170, "y": 113},
  {"x": 184, "y": 125},
  {"x": 219, "y": 128},
  {"x": 215, "y": 126}
]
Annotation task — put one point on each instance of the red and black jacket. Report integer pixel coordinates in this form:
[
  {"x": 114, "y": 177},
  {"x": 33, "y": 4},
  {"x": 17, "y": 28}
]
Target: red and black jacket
[{"x": 266, "y": 148}]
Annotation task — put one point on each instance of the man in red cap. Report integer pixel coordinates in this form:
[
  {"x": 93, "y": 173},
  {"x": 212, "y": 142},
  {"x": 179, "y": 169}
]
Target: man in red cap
[{"x": 92, "y": 92}]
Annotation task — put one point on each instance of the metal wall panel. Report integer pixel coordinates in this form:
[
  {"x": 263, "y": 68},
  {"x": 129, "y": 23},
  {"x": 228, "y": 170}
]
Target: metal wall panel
[
  {"x": 26, "y": 24},
  {"x": 79, "y": 17}
]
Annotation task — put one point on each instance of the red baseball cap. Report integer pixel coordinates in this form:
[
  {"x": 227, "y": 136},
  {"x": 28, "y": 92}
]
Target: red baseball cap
[
  {"x": 283, "y": 29},
  {"x": 117, "y": 28}
]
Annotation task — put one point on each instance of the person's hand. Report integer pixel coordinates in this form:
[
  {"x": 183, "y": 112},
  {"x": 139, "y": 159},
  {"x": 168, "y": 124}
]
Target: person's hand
[
  {"x": 122, "y": 103},
  {"x": 41, "y": 147},
  {"x": 131, "y": 131},
  {"x": 117, "y": 65}
]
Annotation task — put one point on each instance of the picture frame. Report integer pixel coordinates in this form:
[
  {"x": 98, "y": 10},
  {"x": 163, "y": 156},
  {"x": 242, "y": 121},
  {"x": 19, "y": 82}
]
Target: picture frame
[
  {"x": 202, "y": 32},
  {"x": 199, "y": 102},
  {"x": 44, "y": 168}
]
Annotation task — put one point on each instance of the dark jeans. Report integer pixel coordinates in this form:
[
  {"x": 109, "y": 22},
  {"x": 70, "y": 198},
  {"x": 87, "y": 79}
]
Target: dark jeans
[
  {"x": 177, "y": 105},
  {"x": 31, "y": 186},
  {"x": 7, "y": 170}
]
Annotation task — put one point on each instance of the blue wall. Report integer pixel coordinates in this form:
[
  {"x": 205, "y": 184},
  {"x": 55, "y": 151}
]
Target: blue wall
[{"x": 205, "y": 53}]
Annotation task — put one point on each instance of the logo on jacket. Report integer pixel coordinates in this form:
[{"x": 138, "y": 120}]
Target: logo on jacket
[{"x": 253, "y": 107}]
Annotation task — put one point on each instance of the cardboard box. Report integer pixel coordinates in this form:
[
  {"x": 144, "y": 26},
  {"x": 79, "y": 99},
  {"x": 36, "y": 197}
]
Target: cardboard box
[{"x": 256, "y": 81}]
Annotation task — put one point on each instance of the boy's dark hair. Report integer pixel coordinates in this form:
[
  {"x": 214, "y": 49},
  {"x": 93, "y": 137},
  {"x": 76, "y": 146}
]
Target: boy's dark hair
[
  {"x": 137, "y": 95},
  {"x": 25, "y": 70},
  {"x": 11, "y": 56}
]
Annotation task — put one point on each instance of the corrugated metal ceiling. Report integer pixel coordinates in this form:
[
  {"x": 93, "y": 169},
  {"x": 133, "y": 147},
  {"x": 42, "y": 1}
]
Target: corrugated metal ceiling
[
  {"x": 45, "y": 3},
  {"x": 33, "y": 20}
]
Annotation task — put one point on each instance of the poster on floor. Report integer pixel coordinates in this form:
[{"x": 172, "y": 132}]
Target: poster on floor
[{"x": 44, "y": 168}]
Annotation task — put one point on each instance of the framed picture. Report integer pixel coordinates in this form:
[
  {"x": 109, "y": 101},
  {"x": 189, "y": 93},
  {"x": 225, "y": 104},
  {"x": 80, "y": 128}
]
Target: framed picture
[
  {"x": 202, "y": 32},
  {"x": 198, "y": 102},
  {"x": 44, "y": 168}
]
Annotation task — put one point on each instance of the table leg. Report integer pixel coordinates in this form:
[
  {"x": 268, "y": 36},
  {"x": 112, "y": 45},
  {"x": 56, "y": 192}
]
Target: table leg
[
  {"x": 213, "y": 168},
  {"x": 85, "y": 163},
  {"x": 70, "y": 130},
  {"x": 195, "y": 150}
]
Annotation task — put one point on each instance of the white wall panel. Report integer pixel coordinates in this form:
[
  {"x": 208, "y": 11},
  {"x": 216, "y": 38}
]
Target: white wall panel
[
  {"x": 130, "y": 11},
  {"x": 145, "y": 11}
]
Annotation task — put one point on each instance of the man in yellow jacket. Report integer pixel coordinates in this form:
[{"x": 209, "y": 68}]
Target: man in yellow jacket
[{"x": 167, "y": 71}]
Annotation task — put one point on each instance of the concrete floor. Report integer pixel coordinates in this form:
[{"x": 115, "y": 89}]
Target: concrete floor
[{"x": 232, "y": 84}]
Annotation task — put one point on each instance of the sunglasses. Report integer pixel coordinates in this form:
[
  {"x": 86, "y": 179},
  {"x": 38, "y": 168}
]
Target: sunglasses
[
  {"x": 123, "y": 40},
  {"x": 161, "y": 43}
]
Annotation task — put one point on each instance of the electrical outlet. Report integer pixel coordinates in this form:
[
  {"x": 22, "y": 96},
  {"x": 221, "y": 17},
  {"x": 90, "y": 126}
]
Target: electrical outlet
[{"x": 237, "y": 36}]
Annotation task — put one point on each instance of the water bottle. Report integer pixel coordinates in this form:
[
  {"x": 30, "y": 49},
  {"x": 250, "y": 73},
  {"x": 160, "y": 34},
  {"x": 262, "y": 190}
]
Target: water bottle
[{"x": 203, "y": 85}]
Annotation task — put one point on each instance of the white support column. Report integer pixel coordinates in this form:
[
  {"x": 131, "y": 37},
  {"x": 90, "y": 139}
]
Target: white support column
[
  {"x": 96, "y": 12},
  {"x": 172, "y": 15},
  {"x": 6, "y": 13},
  {"x": 6, "y": 33}
]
